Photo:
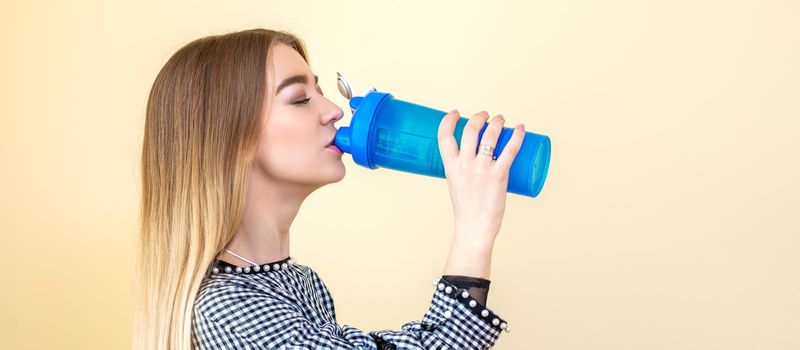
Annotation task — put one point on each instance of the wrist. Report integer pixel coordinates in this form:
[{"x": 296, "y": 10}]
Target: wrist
[
  {"x": 477, "y": 236},
  {"x": 470, "y": 258},
  {"x": 468, "y": 242}
]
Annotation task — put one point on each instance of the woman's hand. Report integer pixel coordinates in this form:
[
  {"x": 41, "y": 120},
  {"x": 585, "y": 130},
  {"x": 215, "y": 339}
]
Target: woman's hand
[{"x": 478, "y": 187}]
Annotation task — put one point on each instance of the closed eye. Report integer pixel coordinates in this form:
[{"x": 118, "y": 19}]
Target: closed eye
[
  {"x": 305, "y": 101},
  {"x": 301, "y": 102}
]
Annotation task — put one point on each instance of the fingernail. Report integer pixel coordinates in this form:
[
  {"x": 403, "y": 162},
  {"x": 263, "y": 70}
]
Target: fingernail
[
  {"x": 521, "y": 127},
  {"x": 454, "y": 111}
]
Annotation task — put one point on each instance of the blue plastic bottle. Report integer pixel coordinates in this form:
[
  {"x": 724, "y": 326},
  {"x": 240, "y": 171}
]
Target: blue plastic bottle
[{"x": 389, "y": 133}]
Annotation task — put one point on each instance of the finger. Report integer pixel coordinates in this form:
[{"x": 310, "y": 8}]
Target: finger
[
  {"x": 511, "y": 149},
  {"x": 448, "y": 148},
  {"x": 490, "y": 138},
  {"x": 469, "y": 136}
]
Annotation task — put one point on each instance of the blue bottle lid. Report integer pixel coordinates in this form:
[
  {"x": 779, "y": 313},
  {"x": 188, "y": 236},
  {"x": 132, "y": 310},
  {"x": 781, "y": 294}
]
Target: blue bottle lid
[{"x": 354, "y": 139}]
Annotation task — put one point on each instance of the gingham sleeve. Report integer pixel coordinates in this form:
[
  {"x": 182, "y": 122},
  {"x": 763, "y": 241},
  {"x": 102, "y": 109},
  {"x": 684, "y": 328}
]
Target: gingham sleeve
[
  {"x": 454, "y": 320},
  {"x": 477, "y": 287},
  {"x": 251, "y": 320}
]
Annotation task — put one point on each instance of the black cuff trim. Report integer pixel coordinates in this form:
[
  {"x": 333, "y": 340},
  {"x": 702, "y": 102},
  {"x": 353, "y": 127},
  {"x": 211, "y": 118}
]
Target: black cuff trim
[{"x": 467, "y": 281}]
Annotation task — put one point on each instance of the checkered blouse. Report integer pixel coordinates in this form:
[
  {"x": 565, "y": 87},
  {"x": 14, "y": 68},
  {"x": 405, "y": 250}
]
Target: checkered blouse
[{"x": 285, "y": 305}]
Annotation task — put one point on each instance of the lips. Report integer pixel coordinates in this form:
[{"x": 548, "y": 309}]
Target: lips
[
  {"x": 332, "y": 140},
  {"x": 335, "y": 149}
]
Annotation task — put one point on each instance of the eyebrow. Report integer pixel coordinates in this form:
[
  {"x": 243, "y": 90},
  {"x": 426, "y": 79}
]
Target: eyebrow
[{"x": 295, "y": 79}]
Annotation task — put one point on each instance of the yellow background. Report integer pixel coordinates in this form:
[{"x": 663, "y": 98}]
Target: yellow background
[{"x": 668, "y": 220}]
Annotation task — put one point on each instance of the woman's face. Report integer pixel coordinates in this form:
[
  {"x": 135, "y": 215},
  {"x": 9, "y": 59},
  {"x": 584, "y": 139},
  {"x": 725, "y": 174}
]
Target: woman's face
[{"x": 299, "y": 125}]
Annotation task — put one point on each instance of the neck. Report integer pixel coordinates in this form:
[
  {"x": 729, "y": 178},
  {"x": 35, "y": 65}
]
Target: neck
[{"x": 263, "y": 233}]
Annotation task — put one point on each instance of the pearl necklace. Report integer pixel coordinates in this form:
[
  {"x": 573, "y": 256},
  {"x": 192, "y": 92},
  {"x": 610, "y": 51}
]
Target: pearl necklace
[
  {"x": 240, "y": 258},
  {"x": 255, "y": 267}
]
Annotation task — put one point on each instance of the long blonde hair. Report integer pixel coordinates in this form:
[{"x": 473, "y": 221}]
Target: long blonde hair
[{"x": 201, "y": 129}]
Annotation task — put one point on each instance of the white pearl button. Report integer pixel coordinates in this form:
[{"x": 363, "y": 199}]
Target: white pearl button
[
  {"x": 448, "y": 290},
  {"x": 472, "y": 303},
  {"x": 465, "y": 294},
  {"x": 215, "y": 270},
  {"x": 228, "y": 269},
  {"x": 448, "y": 313},
  {"x": 266, "y": 267},
  {"x": 441, "y": 286},
  {"x": 276, "y": 267},
  {"x": 495, "y": 322},
  {"x": 284, "y": 266},
  {"x": 435, "y": 282},
  {"x": 238, "y": 269},
  {"x": 257, "y": 268},
  {"x": 247, "y": 269},
  {"x": 485, "y": 313},
  {"x": 504, "y": 326}
]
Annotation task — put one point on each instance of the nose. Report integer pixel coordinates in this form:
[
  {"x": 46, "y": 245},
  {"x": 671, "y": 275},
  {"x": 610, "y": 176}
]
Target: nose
[{"x": 335, "y": 114}]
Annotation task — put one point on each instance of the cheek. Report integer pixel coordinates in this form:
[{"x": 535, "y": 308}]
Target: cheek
[
  {"x": 287, "y": 146},
  {"x": 285, "y": 132}
]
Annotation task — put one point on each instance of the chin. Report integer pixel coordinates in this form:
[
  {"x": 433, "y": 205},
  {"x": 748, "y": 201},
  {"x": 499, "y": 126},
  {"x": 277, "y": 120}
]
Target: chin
[
  {"x": 329, "y": 171},
  {"x": 330, "y": 174},
  {"x": 340, "y": 173}
]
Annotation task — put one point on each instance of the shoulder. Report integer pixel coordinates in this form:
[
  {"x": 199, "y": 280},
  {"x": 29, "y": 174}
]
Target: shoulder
[
  {"x": 222, "y": 295},
  {"x": 232, "y": 311},
  {"x": 312, "y": 275},
  {"x": 218, "y": 293}
]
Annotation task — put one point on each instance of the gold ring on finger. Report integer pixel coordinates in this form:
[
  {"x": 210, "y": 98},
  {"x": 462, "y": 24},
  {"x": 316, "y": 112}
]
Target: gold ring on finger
[
  {"x": 487, "y": 150},
  {"x": 486, "y": 146}
]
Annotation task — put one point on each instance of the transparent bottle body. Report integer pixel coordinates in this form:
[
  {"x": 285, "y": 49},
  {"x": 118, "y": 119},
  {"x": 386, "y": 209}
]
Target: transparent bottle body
[{"x": 404, "y": 137}]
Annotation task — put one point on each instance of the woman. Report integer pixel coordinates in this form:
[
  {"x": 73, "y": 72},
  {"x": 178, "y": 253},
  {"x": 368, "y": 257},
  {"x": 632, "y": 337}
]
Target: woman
[{"x": 236, "y": 137}]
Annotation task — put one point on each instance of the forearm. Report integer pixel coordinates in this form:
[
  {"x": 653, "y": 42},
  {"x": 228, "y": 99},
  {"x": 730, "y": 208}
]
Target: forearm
[{"x": 469, "y": 257}]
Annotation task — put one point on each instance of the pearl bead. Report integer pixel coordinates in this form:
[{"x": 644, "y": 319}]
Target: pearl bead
[
  {"x": 435, "y": 282},
  {"x": 238, "y": 269},
  {"x": 485, "y": 313},
  {"x": 465, "y": 294},
  {"x": 247, "y": 269},
  {"x": 448, "y": 313},
  {"x": 266, "y": 267},
  {"x": 504, "y": 326},
  {"x": 472, "y": 303},
  {"x": 441, "y": 286},
  {"x": 495, "y": 322},
  {"x": 228, "y": 269},
  {"x": 448, "y": 290},
  {"x": 215, "y": 270},
  {"x": 257, "y": 268},
  {"x": 284, "y": 266},
  {"x": 276, "y": 267}
]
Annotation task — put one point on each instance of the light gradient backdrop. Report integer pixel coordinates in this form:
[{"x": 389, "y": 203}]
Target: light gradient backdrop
[{"x": 669, "y": 219}]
